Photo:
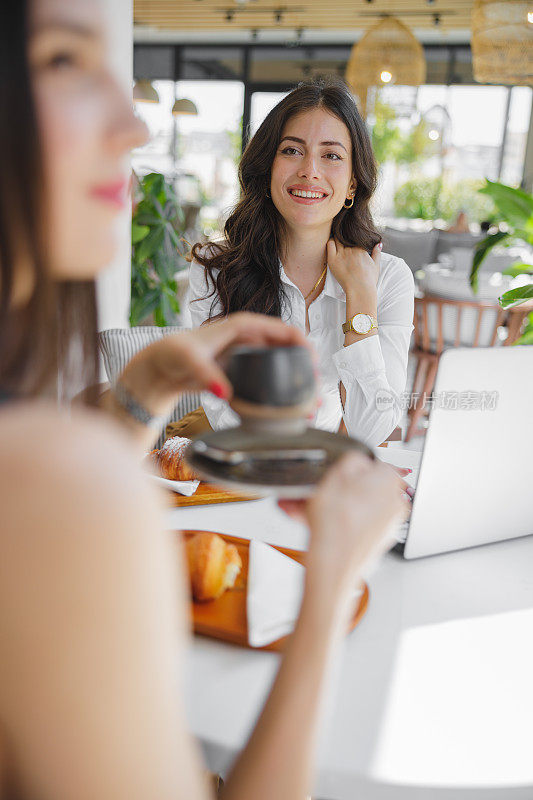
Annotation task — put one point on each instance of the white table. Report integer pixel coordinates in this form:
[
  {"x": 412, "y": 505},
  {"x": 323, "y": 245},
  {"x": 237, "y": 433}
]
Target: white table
[{"x": 434, "y": 693}]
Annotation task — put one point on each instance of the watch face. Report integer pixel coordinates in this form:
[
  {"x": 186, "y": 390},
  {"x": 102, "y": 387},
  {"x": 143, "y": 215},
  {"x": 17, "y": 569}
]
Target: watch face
[{"x": 362, "y": 323}]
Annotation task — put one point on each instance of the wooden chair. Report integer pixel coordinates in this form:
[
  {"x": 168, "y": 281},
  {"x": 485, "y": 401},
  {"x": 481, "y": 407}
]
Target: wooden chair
[{"x": 439, "y": 324}]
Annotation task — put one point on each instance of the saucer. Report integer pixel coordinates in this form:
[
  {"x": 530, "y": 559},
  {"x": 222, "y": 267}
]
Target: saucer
[{"x": 268, "y": 463}]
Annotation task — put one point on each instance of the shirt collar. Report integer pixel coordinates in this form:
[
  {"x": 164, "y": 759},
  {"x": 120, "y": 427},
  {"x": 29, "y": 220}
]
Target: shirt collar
[
  {"x": 332, "y": 287},
  {"x": 284, "y": 277}
]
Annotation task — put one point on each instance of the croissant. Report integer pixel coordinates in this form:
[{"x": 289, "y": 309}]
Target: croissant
[
  {"x": 213, "y": 565},
  {"x": 170, "y": 460}
]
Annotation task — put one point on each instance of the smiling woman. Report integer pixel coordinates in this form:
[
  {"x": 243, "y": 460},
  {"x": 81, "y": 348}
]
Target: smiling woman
[
  {"x": 301, "y": 245},
  {"x": 254, "y": 283}
]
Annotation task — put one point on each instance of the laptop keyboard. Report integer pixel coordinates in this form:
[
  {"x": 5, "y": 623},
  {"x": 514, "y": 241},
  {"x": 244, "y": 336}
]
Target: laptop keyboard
[{"x": 402, "y": 531}]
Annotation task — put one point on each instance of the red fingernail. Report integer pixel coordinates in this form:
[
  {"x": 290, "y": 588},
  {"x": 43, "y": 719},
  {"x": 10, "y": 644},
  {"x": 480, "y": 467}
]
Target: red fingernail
[{"x": 218, "y": 389}]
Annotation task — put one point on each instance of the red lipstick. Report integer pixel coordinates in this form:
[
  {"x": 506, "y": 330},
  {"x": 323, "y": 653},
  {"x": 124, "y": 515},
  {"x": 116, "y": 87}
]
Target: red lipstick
[{"x": 114, "y": 192}]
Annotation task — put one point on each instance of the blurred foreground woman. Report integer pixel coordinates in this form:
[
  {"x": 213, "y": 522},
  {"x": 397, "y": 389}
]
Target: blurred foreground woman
[{"x": 93, "y": 605}]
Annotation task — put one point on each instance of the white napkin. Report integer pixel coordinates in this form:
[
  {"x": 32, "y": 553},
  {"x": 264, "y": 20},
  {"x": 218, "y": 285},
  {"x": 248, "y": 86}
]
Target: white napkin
[
  {"x": 187, "y": 488},
  {"x": 274, "y": 596}
]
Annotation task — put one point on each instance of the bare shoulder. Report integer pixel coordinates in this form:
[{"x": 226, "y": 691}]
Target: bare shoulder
[
  {"x": 37, "y": 434},
  {"x": 55, "y": 468}
]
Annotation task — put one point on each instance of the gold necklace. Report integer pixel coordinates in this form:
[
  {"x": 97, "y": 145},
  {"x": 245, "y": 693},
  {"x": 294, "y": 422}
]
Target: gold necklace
[{"x": 317, "y": 283}]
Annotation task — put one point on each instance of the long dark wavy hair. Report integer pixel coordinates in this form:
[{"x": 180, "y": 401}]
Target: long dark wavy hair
[
  {"x": 50, "y": 342},
  {"x": 244, "y": 268}
]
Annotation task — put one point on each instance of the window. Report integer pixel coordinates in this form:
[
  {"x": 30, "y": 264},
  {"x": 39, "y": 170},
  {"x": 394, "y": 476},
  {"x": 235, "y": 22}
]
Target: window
[
  {"x": 199, "y": 153},
  {"x": 455, "y": 136},
  {"x": 209, "y": 145},
  {"x": 262, "y": 104},
  {"x": 516, "y": 138}
]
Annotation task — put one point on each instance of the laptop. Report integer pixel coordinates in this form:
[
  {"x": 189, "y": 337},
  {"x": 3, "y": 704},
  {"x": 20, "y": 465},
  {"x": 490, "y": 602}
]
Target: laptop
[{"x": 475, "y": 478}]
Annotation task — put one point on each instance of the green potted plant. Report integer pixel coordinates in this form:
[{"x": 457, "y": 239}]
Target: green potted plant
[
  {"x": 515, "y": 209},
  {"x": 156, "y": 235}
]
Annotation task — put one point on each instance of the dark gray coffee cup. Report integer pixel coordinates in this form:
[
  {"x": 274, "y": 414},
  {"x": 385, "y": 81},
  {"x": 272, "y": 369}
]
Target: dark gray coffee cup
[{"x": 271, "y": 376}]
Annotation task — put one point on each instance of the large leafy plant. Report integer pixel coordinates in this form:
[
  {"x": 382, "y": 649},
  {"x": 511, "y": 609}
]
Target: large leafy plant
[
  {"x": 515, "y": 209},
  {"x": 156, "y": 231}
]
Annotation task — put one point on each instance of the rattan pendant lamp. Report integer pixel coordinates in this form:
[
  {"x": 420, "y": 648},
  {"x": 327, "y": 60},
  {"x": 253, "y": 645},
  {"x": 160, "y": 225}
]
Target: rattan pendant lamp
[
  {"x": 502, "y": 41},
  {"x": 387, "y": 53}
]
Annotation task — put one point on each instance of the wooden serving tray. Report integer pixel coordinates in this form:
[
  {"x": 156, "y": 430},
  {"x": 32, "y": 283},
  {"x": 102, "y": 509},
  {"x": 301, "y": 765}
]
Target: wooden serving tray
[
  {"x": 208, "y": 493},
  {"x": 225, "y": 618}
]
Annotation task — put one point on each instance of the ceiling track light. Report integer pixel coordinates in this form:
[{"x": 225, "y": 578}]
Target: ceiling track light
[
  {"x": 408, "y": 13},
  {"x": 247, "y": 8},
  {"x": 436, "y": 19}
]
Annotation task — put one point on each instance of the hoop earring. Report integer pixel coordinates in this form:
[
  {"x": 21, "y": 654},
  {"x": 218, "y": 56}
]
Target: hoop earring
[{"x": 350, "y": 204}]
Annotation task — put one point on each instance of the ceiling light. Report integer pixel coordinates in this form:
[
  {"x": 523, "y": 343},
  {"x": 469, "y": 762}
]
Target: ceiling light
[
  {"x": 144, "y": 92},
  {"x": 433, "y": 135},
  {"x": 530, "y": 16},
  {"x": 387, "y": 52},
  {"x": 184, "y": 106}
]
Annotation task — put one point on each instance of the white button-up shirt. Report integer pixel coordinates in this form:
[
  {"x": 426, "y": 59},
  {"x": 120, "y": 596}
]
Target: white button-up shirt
[{"x": 372, "y": 370}]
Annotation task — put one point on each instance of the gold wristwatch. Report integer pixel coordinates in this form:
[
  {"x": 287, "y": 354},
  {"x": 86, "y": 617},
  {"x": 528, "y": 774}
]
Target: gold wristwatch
[{"x": 361, "y": 324}]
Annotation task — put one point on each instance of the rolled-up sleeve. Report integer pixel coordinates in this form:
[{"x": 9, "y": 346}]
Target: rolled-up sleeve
[
  {"x": 201, "y": 306},
  {"x": 374, "y": 370}
]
